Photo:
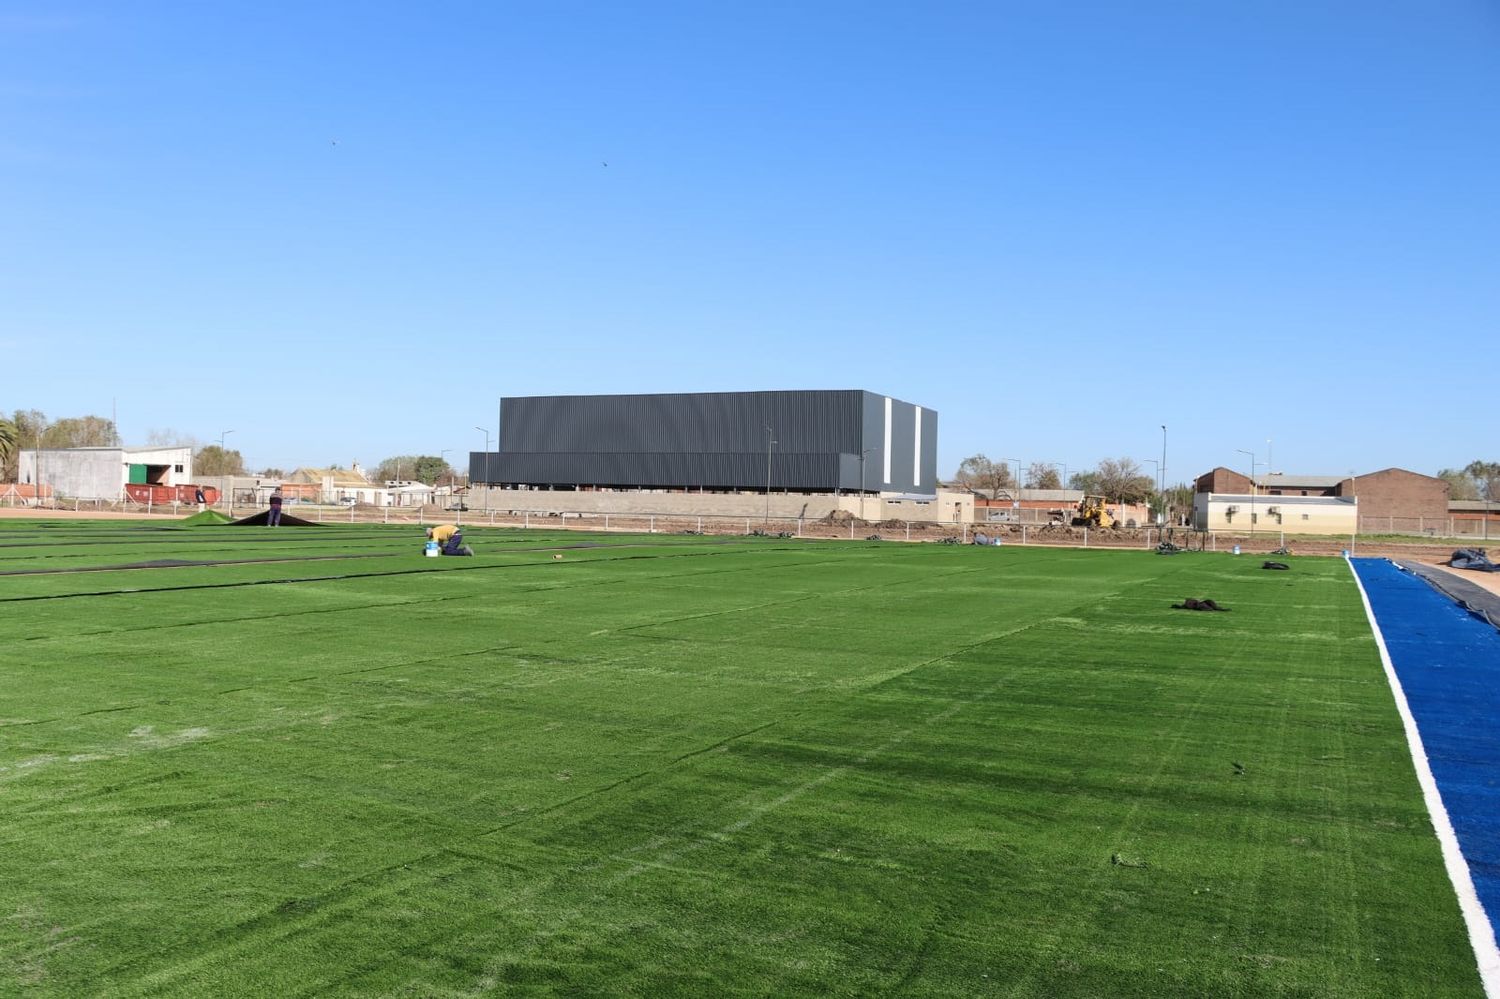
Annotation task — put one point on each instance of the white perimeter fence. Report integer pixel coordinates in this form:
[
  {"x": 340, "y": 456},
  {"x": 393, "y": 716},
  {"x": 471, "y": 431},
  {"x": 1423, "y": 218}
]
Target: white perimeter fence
[{"x": 1462, "y": 528}]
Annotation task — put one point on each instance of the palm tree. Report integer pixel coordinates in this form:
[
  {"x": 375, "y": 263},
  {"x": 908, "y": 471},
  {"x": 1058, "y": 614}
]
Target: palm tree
[{"x": 10, "y": 436}]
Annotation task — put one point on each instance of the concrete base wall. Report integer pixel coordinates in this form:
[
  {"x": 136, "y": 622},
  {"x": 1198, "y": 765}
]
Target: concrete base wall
[{"x": 808, "y": 506}]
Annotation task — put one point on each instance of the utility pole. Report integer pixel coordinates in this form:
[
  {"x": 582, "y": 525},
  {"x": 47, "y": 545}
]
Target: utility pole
[
  {"x": 1161, "y": 474},
  {"x": 1015, "y": 502},
  {"x": 1252, "y": 487},
  {"x": 862, "y": 455},
  {"x": 769, "y": 441},
  {"x": 486, "y": 467}
]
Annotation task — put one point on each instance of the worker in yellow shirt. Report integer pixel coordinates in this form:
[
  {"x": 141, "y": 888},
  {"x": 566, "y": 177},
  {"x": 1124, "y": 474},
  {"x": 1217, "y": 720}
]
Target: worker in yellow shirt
[{"x": 451, "y": 538}]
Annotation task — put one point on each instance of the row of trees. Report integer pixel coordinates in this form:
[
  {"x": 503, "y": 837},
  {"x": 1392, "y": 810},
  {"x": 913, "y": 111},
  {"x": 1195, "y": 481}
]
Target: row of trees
[
  {"x": 1478, "y": 480},
  {"x": 30, "y": 428},
  {"x": 428, "y": 469},
  {"x": 1120, "y": 479}
]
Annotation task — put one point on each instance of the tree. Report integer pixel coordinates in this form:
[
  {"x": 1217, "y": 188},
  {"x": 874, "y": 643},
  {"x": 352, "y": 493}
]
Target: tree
[
  {"x": 1122, "y": 479},
  {"x": 10, "y": 439},
  {"x": 80, "y": 431},
  {"x": 980, "y": 473},
  {"x": 1460, "y": 485},
  {"x": 1040, "y": 475},
  {"x": 1486, "y": 476},
  {"x": 215, "y": 460},
  {"x": 424, "y": 468},
  {"x": 167, "y": 437},
  {"x": 273, "y": 473},
  {"x": 1087, "y": 483}
]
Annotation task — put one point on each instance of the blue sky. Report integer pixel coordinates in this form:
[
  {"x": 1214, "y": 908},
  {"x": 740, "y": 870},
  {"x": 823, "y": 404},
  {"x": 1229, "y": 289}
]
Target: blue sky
[{"x": 345, "y": 230}]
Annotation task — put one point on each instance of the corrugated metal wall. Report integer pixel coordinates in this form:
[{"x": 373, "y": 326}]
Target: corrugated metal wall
[
  {"x": 711, "y": 440},
  {"x": 699, "y": 422}
]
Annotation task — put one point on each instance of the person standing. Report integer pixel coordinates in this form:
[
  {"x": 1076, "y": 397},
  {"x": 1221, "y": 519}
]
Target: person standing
[
  {"x": 273, "y": 519},
  {"x": 199, "y": 498}
]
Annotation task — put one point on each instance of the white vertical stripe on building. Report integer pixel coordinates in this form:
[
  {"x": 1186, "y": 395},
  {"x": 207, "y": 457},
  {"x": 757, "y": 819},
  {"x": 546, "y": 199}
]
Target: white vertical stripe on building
[
  {"x": 887, "y": 449},
  {"x": 916, "y": 465}
]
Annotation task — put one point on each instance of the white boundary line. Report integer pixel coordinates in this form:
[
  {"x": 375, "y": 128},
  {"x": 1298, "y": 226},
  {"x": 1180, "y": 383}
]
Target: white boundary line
[{"x": 1481, "y": 933}]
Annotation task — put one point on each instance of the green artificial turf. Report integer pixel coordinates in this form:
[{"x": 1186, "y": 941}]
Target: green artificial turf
[
  {"x": 206, "y": 518},
  {"x": 697, "y": 766}
]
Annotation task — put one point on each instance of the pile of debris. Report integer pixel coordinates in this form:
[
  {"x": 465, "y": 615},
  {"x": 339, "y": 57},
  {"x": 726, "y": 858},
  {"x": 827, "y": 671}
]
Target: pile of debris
[{"x": 1473, "y": 558}]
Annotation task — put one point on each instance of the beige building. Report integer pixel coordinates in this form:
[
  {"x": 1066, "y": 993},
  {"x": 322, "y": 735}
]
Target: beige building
[{"x": 1244, "y": 512}]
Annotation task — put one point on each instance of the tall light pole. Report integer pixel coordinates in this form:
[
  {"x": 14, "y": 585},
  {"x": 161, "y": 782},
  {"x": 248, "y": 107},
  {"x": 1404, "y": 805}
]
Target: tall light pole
[
  {"x": 1252, "y": 486},
  {"x": 1354, "y": 491},
  {"x": 1161, "y": 475},
  {"x": 769, "y": 441},
  {"x": 1160, "y": 499},
  {"x": 486, "y": 466},
  {"x": 862, "y": 456},
  {"x": 37, "y": 472},
  {"x": 1015, "y": 502},
  {"x": 224, "y": 457}
]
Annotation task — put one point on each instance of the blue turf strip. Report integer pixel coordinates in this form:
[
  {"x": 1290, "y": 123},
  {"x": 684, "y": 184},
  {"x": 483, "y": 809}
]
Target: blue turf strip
[{"x": 1448, "y": 662}]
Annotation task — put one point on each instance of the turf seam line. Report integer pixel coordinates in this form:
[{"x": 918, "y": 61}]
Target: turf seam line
[
  {"x": 1481, "y": 933},
  {"x": 329, "y": 579}
]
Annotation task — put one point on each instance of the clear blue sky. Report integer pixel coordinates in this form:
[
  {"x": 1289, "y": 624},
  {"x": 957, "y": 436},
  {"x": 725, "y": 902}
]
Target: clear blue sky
[{"x": 344, "y": 230}]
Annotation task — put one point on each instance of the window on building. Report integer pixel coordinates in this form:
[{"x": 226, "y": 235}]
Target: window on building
[
  {"x": 1304, "y": 516},
  {"x": 177, "y": 467}
]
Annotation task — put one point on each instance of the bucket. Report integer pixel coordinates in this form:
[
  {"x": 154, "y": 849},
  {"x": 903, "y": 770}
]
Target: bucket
[
  {"x": 431, "y": 551},
  {"x": 1235, "y": 550}
]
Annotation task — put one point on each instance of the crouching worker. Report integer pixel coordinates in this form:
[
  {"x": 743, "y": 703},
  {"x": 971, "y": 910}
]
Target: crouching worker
[{"x": 451, "y": 538}]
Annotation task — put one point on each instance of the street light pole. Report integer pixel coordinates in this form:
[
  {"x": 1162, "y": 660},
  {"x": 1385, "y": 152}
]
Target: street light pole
[
  {"x": 1161, "y": 475},
  {"x": 486, "y": 467},
  {"x": 1015, "y": 500},
  {"x": 769, "y": 441},
  {"x": 1160, "y": 499},
  {"x": 862, "y": 455},
  {"x": 1252, "y": 487}
]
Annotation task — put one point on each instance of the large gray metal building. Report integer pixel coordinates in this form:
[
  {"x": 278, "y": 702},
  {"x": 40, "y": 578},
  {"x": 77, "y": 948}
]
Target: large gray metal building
[{"x": 805, "y": 441}]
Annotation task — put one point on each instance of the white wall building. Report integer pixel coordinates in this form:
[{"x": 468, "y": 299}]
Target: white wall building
[
  {"x": 101, "y": 473},
  {"x": 1242, "y": 512}
]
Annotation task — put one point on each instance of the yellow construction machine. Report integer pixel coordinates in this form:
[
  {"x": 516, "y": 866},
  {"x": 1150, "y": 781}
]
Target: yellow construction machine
[{"x": 1092, "y": 513}]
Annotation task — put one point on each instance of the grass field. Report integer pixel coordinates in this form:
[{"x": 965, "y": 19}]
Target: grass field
[{"x": 690, "y": 766}]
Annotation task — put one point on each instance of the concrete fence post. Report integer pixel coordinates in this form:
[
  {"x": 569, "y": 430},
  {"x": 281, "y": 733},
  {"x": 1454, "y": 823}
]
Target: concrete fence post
[{"x": 1085, "y": 537}]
